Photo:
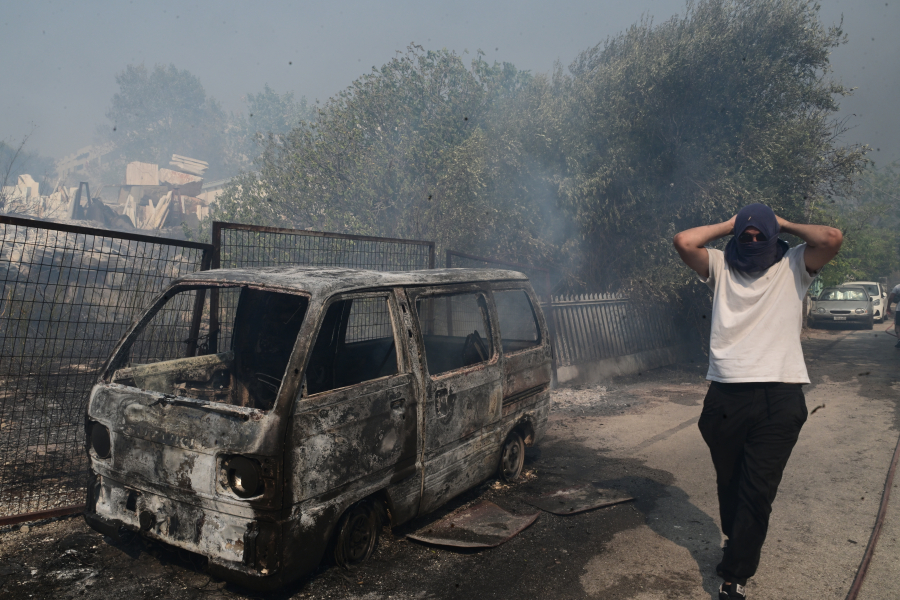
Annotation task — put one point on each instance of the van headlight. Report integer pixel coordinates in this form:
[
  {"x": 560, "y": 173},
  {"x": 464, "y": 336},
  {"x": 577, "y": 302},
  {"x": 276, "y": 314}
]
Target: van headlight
[
  {"x": 861, "y": 311},
  {"x": 100, "y": 440},
  {"x": 244, "y": 476}
]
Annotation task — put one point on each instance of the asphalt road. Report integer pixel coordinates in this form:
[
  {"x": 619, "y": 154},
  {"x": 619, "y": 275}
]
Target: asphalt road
[{"x": 637, "y": 435}]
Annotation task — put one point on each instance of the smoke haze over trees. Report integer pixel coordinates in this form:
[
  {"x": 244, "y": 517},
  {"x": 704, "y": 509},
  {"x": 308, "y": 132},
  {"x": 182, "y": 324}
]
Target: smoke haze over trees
[
  {"x": 590, "y": 170},
  {"x": 161, "y": 111}
]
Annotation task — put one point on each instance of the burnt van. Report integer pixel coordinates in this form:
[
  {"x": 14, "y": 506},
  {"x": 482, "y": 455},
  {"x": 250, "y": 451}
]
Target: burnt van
[{"x": 265, "y": 418}]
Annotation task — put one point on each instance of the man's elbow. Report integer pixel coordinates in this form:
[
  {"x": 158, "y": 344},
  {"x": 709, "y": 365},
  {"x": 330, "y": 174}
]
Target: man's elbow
[
  {"x": 833, "y": 239},
  {"x": 679, "y": 241}
]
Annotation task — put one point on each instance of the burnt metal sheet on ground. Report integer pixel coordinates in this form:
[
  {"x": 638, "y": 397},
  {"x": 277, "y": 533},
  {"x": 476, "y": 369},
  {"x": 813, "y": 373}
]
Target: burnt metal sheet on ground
[
  {"x": 482, "y": 525},
  {"x": 576, "y": 499}
]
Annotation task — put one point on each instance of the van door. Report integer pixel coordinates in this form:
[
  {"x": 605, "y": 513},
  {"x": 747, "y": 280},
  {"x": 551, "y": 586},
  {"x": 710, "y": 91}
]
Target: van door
[
  {"x": 464, "y": 389},
  {"x": 355, "y": 422},
  {"x": 525, "y": 344}
]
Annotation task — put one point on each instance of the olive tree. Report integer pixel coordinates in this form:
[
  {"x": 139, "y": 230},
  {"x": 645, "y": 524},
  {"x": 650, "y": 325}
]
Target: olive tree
[{"x": 685, "y": 122}]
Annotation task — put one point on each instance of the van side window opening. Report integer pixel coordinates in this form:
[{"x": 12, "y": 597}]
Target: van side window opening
[
  {"x": 518, "y": 326},
  {"x": 455, "y": 331},
  {"x": 355, "y": 344},
  {"x": 260, "y": 328}
]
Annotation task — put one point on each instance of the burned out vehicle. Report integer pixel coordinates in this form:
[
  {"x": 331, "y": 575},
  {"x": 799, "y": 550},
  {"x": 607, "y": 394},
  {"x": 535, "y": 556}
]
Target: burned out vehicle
[{"x": 265, "y": 418}]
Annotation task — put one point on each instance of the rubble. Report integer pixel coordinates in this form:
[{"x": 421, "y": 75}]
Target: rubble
[
  {"x": 152, "y": 198},
  {"x": 185, "y": 184},
  {"x": 138, "y": 173},
  {"x": 189, "y": 165}
]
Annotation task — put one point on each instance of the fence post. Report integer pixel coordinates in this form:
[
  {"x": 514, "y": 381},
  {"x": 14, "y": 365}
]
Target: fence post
[
  {"x": 199, "y": 300},
  {"x": 214, "y": 292}
]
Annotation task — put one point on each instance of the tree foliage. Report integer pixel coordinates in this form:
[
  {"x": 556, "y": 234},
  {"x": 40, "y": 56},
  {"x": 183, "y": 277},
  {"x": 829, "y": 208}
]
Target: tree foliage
[
  {"x": 591, "y": 171},
  {"x": 687, "y": 121},
  {"x": 268, "y": 114},
  {"x": 415, "y": 149},
  {"x": 869, "y": 217},
  {"x": 163, "y": 111}
]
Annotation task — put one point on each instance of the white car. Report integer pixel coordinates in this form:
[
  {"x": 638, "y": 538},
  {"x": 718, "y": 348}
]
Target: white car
[{"x": 878, "y": 295}]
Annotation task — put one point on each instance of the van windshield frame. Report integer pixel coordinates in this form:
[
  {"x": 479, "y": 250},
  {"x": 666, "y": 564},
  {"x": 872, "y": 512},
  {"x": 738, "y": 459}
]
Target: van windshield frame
[{"x": 169, "y": 349}]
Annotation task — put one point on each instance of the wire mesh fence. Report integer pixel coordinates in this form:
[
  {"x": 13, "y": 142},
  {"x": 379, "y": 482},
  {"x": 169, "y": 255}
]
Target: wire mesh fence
[
  {"x": 67, "y": 294},
  {"x": 241, "y": 246},
  {"x": 247, "y": 246}
]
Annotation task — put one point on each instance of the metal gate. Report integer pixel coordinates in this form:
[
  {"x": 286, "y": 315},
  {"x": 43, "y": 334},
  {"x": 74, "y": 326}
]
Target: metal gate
[
  {"x": 67, "y": 294},
  {"x": 239, "y": 246}
]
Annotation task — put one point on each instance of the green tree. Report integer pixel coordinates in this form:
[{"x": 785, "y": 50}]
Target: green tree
[
  {"x": 268, "y": 114},
  {"x": 869, "y": 217},
  {"x": 685, "y": 122},
  {"x": 414, "y": 149},
  {"x": 159, "y": 112}
]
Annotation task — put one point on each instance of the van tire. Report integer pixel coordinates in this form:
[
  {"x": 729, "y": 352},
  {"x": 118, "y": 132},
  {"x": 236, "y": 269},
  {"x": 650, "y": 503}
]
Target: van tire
[
  {"x": 357, "y": 534},
  {"x": 512, "y": 457}
]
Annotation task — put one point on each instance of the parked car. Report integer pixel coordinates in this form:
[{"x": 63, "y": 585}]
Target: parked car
[
  {"x": 843, "y": 304},
  {"x": 878, "y": 294},
  {"x": 261, "y": 416}
]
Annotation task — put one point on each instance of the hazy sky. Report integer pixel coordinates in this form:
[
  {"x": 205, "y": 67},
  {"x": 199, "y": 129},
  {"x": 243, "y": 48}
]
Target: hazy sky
[{"x": 59, "y": 59}]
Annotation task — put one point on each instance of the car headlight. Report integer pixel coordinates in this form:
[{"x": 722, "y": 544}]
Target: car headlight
[
  {"x": 820, "y": 310},
  {"x": 100, "y": 441},
  {"x": 861, "y": 311},
  {"x": 877, "y": 302},
  {"x": 244, "y": 476}
]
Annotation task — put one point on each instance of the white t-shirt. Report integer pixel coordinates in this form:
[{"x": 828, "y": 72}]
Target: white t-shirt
[{"x": 756, "y": 320}]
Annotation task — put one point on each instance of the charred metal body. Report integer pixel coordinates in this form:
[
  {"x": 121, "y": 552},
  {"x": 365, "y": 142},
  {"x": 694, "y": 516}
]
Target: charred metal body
[{"x": 302, "y": 407}]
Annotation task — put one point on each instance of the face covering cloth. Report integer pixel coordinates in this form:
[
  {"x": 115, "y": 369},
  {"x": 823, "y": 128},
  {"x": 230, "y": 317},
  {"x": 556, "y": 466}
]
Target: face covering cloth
[{"x": 755, "y": 256}]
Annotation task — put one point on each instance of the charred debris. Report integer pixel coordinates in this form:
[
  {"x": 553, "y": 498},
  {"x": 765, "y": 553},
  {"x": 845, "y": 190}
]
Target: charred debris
[{"x": 153, "y": 198}]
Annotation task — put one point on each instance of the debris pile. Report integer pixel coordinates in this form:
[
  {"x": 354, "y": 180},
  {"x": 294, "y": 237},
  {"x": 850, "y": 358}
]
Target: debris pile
[{"x": 152, "y": 198}]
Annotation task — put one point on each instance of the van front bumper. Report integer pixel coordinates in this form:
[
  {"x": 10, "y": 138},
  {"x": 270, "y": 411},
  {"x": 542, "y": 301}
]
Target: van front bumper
[{"x": 240, "y": 549}]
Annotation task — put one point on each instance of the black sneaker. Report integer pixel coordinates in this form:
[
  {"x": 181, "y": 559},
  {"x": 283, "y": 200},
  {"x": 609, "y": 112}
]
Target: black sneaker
[{"x": 732, "y": 590}]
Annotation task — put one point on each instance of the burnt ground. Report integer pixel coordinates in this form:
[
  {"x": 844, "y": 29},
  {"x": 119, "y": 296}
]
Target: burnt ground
[{"x": 65, "y": 559}]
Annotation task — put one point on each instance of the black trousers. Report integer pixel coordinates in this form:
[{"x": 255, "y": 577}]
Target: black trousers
[{"x": 751, "y": 429}]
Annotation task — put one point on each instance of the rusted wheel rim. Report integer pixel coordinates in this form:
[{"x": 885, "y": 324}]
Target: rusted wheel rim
[
  {"x": 358, "y": 536},
  {"x": 513, "y": 457}
]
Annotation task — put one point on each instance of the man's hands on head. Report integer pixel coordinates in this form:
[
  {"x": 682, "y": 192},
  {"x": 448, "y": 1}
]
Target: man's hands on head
[
  {"x": 822, "y": 242},
  {"x": 690, "y": 244}
]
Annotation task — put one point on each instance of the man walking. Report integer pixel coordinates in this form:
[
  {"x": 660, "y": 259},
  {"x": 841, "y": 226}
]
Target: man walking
[{"x": 754, "y": 409}]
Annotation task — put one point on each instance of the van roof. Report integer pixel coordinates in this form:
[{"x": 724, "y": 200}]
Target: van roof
[{"x": 332, "y": 280}]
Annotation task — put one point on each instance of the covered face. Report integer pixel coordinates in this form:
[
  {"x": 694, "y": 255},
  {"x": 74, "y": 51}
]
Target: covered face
[{"x": 759, "y": 255}]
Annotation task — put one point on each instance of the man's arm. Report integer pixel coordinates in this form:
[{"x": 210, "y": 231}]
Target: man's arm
[
  {"x": 690, "y": 244},
  {"x": 822, "y": 242}
]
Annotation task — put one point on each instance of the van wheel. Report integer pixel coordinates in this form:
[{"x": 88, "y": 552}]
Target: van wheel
[
  {"x": 357, "y": 534},
  {"x": 512, "y": 458}
]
